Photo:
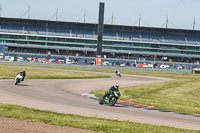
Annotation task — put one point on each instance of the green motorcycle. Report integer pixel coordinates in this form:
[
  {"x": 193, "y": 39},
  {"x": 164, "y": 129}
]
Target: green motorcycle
[{"x": 110, "y": 98}]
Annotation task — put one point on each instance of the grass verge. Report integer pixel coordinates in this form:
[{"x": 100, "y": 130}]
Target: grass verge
[
  {"x": 90, "y": 123},
  {"x": 10, "y": 71},
  {"x": 181, "y": 95}
]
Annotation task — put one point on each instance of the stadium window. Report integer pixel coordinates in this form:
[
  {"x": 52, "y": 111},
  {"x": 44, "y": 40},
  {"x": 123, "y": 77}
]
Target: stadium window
[
  {"x": 89, "y": 41},
  {"x": 107, "y": 42},
  {"x": 51, "y": 39},
  {"x": 41, "y": 38},
  {"x": 197, "y": 49},
  {"x": 61, "y": 39},
  {"x": 154, "y": 45},
  {"x": 20, "y": 42},
  {"x": 14, "y": 37},
  {"x": 70, "y": 40},
  {"x": 31, "y": 38},
  {"x": 22, "y": 37}
]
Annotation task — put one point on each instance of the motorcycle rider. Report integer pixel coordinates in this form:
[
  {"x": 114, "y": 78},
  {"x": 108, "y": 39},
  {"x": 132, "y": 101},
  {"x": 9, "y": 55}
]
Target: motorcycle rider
[
  {"x": 117, "y": 73},
  {"x": 23, "y": 73},
  {"x": 113, "y": 88},
  {"x": 109, "y": 97}
]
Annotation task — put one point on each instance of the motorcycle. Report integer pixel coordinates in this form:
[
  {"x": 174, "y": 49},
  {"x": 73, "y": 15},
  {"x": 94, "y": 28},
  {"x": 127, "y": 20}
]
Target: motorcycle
[
  {"x": 110, "y": 98},
  {"x": 118, "y": 73},
  {"x": 18, "y": 78}
]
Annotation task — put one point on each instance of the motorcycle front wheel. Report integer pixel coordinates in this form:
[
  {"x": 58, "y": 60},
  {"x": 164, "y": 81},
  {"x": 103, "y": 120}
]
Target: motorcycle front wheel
[
  {"x": 17, "y": 81},
  {"x": 113, "y": 100}
]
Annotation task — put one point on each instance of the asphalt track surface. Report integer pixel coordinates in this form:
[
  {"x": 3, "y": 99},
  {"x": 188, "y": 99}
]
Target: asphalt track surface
[{"x": 64, "y": 96}]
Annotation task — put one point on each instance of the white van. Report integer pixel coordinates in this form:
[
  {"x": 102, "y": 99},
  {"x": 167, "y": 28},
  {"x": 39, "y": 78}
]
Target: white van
[
  {"x": 61, "y": 61},
  {"x": 12, "y": 58},
  {"x": 7, "y": 58},
  {"x": 68, "y": 62},
  {"x": 20, "y": 59},
  {"x": 164, "y": 66}
]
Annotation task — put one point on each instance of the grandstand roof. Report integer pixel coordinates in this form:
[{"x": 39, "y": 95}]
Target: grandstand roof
[{"x": 107, "y": 27}]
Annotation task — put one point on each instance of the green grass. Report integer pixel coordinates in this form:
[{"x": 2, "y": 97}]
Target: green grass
[
  {"x": 90, "y": 123},
  {"x": 180, "y": 95},
  {"x": 10, "y": 71}
]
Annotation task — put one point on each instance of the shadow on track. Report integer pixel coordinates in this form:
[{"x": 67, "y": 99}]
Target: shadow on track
[{"x": 22, "y": 85}]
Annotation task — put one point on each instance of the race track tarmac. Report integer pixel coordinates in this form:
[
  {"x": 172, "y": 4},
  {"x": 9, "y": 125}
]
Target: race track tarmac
[{"x": 64, "y": 96}]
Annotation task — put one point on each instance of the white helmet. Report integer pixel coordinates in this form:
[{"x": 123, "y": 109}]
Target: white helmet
[{"x": 116, "y": 85}]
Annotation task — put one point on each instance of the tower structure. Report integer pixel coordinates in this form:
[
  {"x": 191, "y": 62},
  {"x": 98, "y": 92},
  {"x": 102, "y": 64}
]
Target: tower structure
[{"x": 100, "y": 33}]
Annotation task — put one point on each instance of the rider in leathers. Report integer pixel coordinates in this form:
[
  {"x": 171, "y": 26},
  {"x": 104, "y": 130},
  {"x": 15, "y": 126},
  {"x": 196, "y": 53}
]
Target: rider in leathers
[
  {"x": 23, "y": 74},
  {"x": 117, "y": 73},
  {"x": 113, "y": 88}
]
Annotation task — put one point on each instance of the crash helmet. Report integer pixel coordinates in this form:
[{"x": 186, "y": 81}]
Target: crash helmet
[{"x": 116, "y": 85}]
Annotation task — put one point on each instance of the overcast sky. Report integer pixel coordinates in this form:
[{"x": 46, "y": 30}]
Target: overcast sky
[{"x": 153, "y": 13}]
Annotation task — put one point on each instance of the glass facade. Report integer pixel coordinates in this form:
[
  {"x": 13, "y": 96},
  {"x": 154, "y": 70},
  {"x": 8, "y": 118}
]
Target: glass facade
[{"x": 107, "y": 44}]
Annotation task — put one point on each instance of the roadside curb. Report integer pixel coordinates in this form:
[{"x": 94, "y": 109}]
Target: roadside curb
[
  {"x": 134, "y": 104},
  {"x": 92, "y": 96}
]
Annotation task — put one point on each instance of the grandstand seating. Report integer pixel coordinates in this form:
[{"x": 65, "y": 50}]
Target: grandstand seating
[
  {"x": 193, "y": 40},
  {"x": 175, "y": 39},
  {"x": 87, "y": 33}
]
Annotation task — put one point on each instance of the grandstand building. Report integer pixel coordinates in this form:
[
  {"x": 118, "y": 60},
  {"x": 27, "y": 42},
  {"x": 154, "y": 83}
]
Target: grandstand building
[{"x": 31, "y": 36}]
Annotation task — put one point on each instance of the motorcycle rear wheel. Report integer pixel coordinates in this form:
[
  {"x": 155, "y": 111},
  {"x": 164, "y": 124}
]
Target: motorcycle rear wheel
[{"x": 101, "y": 100}]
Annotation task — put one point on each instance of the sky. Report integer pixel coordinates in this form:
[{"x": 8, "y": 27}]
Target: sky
[{"x": 181, "y": 13}]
